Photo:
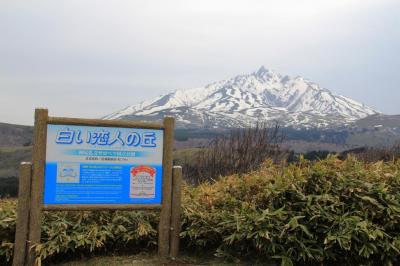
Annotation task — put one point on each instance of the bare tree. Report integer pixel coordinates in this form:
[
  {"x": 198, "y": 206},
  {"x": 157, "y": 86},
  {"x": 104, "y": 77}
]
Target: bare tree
[
  {"x": 239, "y": 151},
  {"x": 379, "y": 153}
]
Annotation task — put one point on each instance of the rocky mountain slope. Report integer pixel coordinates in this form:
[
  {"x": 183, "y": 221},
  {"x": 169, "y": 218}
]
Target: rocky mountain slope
[{"x": 261, "y": 96}]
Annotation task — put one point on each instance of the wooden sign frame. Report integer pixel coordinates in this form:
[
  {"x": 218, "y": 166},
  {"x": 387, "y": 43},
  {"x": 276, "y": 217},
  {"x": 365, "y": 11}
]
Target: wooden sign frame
[{"x": 31, "y": 189}]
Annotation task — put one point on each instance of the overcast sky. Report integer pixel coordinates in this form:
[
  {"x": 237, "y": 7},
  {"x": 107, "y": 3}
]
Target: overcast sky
[{"x": 91, "y": 58}]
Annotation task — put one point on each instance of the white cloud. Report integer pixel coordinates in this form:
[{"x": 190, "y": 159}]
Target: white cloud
[{"x": 140, "y": 49}]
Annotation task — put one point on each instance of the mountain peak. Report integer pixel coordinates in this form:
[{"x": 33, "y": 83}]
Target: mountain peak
[
  {"x": 262, "y": 71},
  {"x": 244, "y": 100}
]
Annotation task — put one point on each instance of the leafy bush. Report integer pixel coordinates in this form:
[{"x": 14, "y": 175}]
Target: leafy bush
[
  {"x": 327, "y": 212},
  {"x": 83, "y": 232},
  {"x": 7, "y": 228},
  {"x": 342, "y": 212}
]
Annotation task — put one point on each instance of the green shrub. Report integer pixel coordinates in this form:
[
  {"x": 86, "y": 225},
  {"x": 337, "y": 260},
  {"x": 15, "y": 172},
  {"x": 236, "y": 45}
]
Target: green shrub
[
  {"x": 7, "y": 228},
  {"x": 327, "y": 212},
  {"x": 83, "y": 232},
  {"x": 331, "y": 211}
]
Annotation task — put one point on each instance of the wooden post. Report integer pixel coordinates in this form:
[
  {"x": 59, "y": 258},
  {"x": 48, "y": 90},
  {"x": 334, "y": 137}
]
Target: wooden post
[
  {"x": 165, "y": 215},
  {"x": 38, "y": 161},
  {"x": 21, "y": 230},
  {"x": 175, "y": 211}
]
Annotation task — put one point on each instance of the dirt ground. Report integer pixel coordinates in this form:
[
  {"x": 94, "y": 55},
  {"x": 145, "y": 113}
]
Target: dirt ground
[{"x": 148, "y": 259}]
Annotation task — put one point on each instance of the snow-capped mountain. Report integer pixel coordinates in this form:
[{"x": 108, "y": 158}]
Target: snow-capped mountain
[{"x": 262, "y": 96}]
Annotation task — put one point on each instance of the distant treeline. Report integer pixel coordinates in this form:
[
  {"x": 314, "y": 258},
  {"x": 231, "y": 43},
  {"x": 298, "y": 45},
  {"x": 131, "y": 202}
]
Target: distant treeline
[
  {"x": 182, "y": 134},
  {"x": 8, "y": 187},
  {"x": 365, "y": 154},
  {"x": 327, "y": 136}
]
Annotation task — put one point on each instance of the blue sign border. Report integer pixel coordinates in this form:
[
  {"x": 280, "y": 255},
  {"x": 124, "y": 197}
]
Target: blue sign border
[{"x": 100, "y": 182}]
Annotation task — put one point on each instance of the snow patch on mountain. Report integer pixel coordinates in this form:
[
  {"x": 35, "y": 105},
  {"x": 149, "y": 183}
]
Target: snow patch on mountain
[{"x": 261, "y": 96}]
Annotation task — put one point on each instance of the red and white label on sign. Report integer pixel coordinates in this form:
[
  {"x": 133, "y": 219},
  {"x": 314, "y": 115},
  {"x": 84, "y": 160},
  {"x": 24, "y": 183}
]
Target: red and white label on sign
[{"x": 142, "y": 182}]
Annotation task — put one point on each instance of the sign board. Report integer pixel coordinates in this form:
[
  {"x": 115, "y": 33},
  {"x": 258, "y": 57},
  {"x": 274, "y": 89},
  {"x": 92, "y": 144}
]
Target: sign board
[
  {"x": 92, "y": 164},
  {"x": 103, "y": 165}
]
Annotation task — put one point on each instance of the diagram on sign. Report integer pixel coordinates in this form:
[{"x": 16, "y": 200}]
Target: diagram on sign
[
  {"x": 68, "y": 173},
  {"x": 142, "y": 182}
]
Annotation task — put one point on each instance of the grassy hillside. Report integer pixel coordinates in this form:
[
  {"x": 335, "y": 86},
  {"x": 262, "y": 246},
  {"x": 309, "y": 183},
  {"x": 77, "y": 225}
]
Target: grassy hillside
[
  {"x": 15, "y": 135},
  {"x": 15, "y": 147},
  {"x": 10, "y": 158}
]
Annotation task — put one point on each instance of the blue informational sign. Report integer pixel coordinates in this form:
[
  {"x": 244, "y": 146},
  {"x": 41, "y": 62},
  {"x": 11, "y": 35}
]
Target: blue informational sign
[{"x": 103, "y": 165}]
